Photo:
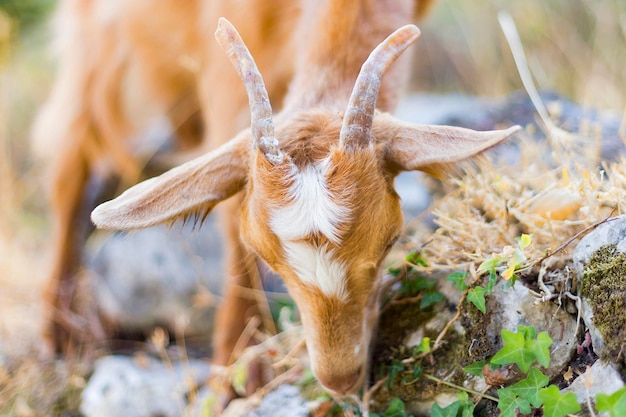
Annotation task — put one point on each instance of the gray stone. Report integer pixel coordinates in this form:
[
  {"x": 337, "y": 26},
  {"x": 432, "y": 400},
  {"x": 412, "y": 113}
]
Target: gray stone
[
  {"x": 156, "y": 277},
  {"x": 285, "y": 401},
  {"x": 517, "y": 306},
  {"x": 122, "y": 386},
  {"x": 599, "y": 378}
]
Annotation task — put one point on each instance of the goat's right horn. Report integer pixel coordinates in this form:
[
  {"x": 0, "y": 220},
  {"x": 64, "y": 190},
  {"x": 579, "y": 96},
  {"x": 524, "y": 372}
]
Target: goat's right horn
[
  {"x": 261, "y": 123},
  {"x": 357, "y": 123}
]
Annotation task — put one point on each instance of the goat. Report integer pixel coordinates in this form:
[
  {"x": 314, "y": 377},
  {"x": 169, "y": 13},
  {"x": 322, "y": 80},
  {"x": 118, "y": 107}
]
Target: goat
[
  {"x": 121, "y": 63},
  {"x": 317, "y": 202}
]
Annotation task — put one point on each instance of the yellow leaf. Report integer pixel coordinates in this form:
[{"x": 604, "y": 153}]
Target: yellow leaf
[
  {"x": 509, "y": 272},
  {"x": 524, "y": 241}
]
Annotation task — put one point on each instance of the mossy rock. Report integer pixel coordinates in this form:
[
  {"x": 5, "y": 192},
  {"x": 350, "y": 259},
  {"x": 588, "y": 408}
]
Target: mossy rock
[{"x": 603, "y": 289}]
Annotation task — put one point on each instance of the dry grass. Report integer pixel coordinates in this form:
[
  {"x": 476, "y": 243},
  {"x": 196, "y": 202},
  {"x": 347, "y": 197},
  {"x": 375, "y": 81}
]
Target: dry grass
[{"x": 575, "y": 47}]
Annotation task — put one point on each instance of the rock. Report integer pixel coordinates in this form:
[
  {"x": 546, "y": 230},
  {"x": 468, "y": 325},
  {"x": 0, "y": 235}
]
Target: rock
[
  {"x": 599, "y": 378},
  {"x": 157, "y": 276},
  {"x": 600, "y": 262},
  {"x": 123, "y": 386},
  {"x": 517, "y": 306},
  {"x": 473, "y": 337},
  {"x": 285, "y": 401}
]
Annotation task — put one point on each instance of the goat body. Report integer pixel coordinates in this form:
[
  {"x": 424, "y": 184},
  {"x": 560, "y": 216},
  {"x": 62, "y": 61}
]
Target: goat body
[{"x": 312, "y": 186}]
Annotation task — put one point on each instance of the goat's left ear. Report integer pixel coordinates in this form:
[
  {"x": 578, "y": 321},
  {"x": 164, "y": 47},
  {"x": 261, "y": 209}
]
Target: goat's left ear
[{"x": 426, "y": 147}]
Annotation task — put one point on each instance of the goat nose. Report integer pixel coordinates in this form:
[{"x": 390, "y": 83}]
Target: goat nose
[{"x": 342, "y": 384}]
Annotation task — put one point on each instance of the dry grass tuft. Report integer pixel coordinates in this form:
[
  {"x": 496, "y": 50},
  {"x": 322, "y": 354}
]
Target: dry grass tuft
[{"x": 551, "y": 192}]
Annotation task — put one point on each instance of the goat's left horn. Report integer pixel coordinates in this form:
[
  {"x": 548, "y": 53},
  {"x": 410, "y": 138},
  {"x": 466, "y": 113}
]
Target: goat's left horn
[
  {"x": 359, "y": 116},
  {"x": 261, "y": 122}
]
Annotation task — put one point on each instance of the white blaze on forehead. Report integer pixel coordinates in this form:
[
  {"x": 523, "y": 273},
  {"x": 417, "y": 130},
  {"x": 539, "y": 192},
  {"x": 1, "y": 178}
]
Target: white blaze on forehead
[
  {"x": 317, "y": 267},
  {"x": 311, "y": 208}
]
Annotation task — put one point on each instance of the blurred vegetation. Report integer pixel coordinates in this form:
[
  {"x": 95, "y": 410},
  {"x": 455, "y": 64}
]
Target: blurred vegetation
[
  {"x": 25, "y": 13},
  {"x": 574, "y": 47}
]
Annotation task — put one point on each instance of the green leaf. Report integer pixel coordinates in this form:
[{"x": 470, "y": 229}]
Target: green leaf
[
  {"x": 490, "y": 264},
  {"x": 493, "y": 277},
  {"x": 430, "y": 298},
  {"x": 423, "y": 347},
  {"x": 541, "y": 348},
  {"x": 557, "y": 405},
  {"x": 476, "y": 296},
  {"x": 514, "y": 351},
  {"x": 529, "y": 332},
  {"x": 614, "y": 404},
  {"x": 450, "y": 411},
  {"x": 509, "y": 402},
  {"x": 529, "y": 388},
  {"x": 476, "y": 368},
  {"x": 416, "y": 258},
  {"x": 394, "y": 369},
  {"x": 458, "y": 279},
  {"x": 396, "y": 409}
]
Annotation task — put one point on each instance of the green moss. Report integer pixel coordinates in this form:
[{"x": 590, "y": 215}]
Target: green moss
[{"x": 603, "y": 285}]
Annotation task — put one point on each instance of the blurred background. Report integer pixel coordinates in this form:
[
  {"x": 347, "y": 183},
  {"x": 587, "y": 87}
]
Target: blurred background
[{"x": 574, "y": 47}]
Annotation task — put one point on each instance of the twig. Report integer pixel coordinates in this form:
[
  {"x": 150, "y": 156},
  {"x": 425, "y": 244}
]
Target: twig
[
  {"x": 512, "y": 36},
  {"x": 365, "y": 406},
  {"x": 561, "y": 247},
  {"x": 460, "y": 388}
]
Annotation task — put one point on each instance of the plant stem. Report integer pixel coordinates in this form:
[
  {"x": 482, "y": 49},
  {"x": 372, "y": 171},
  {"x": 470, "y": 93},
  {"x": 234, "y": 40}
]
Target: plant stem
[{"x": 460, "y": 388}]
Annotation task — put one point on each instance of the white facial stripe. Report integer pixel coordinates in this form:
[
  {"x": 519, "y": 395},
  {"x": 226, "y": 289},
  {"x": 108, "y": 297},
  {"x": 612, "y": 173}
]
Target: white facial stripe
[
  {"x": 311, "y": 209},
  {"x": 316, "y": 266}
]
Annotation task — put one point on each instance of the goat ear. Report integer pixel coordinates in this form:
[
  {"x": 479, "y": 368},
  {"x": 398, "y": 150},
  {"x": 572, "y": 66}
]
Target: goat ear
[
  {"x": 429, "y": 148},
  {"x": 193, "y": 188}
]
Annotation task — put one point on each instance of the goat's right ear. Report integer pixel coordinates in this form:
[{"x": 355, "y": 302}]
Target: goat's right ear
[{"x": 193, "y": 188}]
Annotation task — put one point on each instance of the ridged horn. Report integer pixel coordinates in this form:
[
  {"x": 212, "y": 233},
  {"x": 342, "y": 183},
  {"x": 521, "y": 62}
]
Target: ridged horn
[
  {"x": 261, "y": 123},
  {"x": 357, "y": 123}
]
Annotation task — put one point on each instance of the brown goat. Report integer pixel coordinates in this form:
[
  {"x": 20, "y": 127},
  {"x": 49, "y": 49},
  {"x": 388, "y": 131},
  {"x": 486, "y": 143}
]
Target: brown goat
[
  {"x": 313, "y": 184},
  {"x": 122, "y": 63}
]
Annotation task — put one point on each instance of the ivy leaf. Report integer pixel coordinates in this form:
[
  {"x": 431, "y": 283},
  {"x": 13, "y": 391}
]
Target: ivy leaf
[
  {"x": 490, "y": 263},
  {"x": 467, "y": 406},
  {"x": 476, "y": 296},
  {"x": 509, "y": 402},
  {"x": 450, "y": 411},
  {"x": 614, "y": 404},
  {"x": 541, "y": 348},
  {"x": 514, "y": 351},
  {"x": 394, "y": 368},
  {"x": 529, "y": 332},
  {"x": 396, "y": 409},
  {"x": 430, "y": 298},
  {"x": 476, "y": 368},
  {"x": 529, "y": 388},
  {"x": 557, "y": 405},
  {"x": 493, "y": 276},
  {"x": 458, "y": 279}
]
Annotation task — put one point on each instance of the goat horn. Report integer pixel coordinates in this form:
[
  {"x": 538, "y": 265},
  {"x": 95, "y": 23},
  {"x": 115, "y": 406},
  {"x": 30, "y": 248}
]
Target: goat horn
[
  {"x": 261, "y": 123},
  {"x": 357, "y": 123}
]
